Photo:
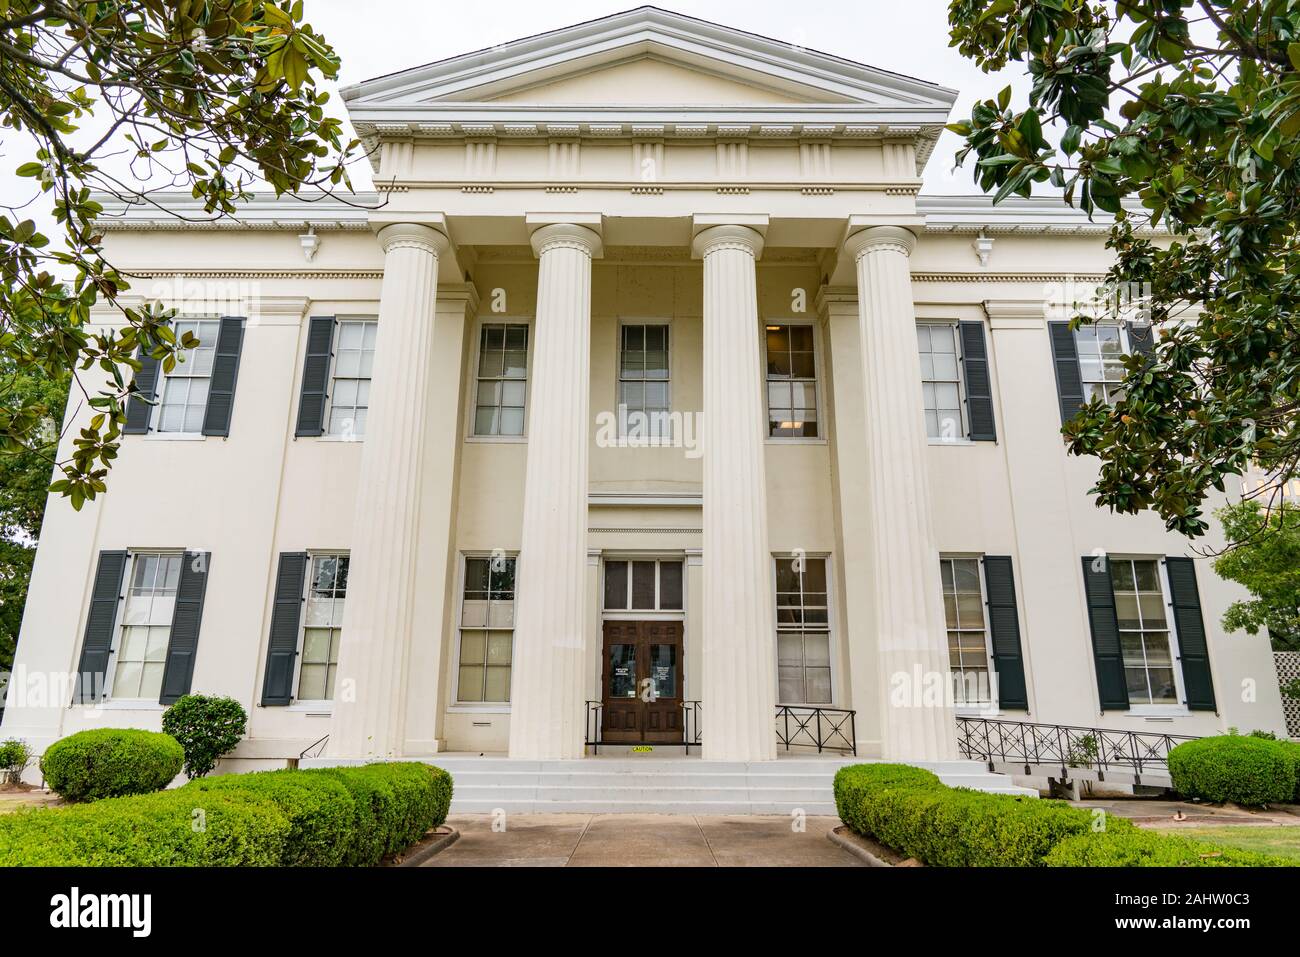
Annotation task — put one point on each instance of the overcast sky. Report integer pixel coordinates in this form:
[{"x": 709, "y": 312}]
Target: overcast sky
[{"x": 905, "y": 36}]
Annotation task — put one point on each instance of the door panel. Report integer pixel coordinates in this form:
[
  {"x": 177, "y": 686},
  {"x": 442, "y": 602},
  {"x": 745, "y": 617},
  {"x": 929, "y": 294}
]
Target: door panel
[{"x": 642, "y": 682}]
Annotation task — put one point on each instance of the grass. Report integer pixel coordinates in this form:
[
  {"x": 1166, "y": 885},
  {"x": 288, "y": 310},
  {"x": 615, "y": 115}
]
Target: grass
[{"x": 1282, "y": 841}]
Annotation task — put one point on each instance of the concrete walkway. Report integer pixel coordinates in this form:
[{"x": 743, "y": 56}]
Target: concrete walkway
[{"x": 641, "y": 840}]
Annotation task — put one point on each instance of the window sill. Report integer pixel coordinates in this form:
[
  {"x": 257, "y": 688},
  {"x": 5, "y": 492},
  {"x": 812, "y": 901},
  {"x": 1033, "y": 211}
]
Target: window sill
[
  {"x": 930, "y": 441},
  {"x": 795, "y": 440},
  {"x": 1159, "y": 711},
  {"x": 175, "y": 437},
  {"x": 978, "y": 711},
  {"x": 320, "y": 708},
  {"x": 124, "y": 704},
  {"x": 478, "y": 709},
  {"x": 343, "y": 439},
  {"x": 497, "y": 439}
]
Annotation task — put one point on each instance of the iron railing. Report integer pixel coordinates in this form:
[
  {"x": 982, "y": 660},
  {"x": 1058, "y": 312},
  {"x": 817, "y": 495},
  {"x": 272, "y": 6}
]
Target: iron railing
[
  {"x": 1100, "y": 749},
  {"x": 826, "y": 729},
  {"x": 315, "y": 749},
  {"x": 690, "y": 728}
]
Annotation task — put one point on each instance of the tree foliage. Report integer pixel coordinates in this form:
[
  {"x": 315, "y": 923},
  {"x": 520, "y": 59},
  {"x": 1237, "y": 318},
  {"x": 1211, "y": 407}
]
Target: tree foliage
[
  {"x": 24, "y": 480},
  {"x": 1266, "y": 560},
  {"x": 1181, "y": 116},
  {"x": 210, "y": 95}
]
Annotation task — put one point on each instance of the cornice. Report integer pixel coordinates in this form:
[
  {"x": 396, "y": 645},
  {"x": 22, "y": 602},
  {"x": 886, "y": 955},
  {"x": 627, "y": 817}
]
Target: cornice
[
  {"x": 176, "y": 211},
  {"x": 1036, "y": 215}
]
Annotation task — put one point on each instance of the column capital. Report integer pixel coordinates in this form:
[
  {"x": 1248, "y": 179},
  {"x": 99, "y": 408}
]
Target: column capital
[
  {"x": 567, "y": 236},
  {"x": 731, "y": 236},
  {"x": 413, "y": 236},
  {"x": 877, "y": 237}
]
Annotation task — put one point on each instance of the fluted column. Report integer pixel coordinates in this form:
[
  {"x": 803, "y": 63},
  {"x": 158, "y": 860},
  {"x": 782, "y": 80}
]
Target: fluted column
[
  {"x": 546, "y": 692},
  {"x": 906, "y": 592},
  {"x": 738, "y": 617},
  {"x": 379, "y": 613}
]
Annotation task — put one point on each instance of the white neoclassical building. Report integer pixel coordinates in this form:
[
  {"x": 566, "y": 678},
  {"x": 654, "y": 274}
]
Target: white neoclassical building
[{"x": 646, "y": 402}]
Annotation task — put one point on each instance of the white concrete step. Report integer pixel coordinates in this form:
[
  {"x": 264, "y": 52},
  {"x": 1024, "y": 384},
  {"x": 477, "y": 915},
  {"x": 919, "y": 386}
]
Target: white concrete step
[{"x": 676, "y": 784}]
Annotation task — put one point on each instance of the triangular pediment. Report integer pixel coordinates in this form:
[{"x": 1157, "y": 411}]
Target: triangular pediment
[
  {"x": 653, "y": 80},
  {"x": 645, "y": 57}
]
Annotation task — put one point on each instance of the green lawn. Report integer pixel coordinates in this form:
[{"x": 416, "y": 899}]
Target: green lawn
[{"x": 1282, "y": 841}]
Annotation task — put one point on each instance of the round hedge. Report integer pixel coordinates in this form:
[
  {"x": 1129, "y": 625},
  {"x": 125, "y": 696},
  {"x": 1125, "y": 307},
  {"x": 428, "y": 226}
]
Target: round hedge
[
  {"x": 1234, "y": 768},
  {"x": 111, "y": 762}
]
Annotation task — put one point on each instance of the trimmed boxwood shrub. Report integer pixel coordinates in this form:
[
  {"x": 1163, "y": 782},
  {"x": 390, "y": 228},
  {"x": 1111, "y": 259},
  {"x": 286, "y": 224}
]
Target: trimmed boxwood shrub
[
  {"x": 912, "y": 811},
  {"x": 319, "y": 810},
  {"x": 1235, "y": 768},
  {"x": 172, "y": 829},
  {"x": 394, "y": 804},
  {"x": 111, "y": 762},
  {"x": 207, "y": 727},
  {"x": 1137, "y": 848},
  {"x": 337, "y": 816}
]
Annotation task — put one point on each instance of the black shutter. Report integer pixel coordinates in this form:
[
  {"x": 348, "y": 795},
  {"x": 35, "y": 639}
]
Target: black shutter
[
  {"x": 979, "y": 387},
  {"x": 101, "y": 623},
  {"x": 1141, "y": 338},
  {"x": 1112, "y": 687},
  {"x": 225, "y": 371},
  {"x": 183, "y": 646},
  {"x": 315, "y": 377},
  {"x": 1004, "y": 629},
  {"x": 286, "y": 616},
  {"x": 1069, "y": 382},
  {"x": 139, "y": 407},
  {"x": 1193, "y": 650}
]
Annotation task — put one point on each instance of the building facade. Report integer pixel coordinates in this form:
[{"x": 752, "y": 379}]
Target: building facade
[{"x": 646, "y": 397}]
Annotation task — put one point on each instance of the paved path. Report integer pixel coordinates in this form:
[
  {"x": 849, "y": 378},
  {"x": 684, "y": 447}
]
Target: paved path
[
  {"x": 1161, "y": 813},
  {"x": 641, "y": 840}
]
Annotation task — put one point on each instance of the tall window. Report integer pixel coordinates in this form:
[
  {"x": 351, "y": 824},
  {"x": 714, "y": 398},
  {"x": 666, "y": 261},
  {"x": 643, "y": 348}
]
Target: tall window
[
  {"x": 643, "y": 585},
  {"x": 146, "y": 625},
  {"x": 487, "y": 630},
  {"x": 791, "y": 382},
  {"x": 185, "y": 389},
  {"x": 643, "y": 381},
  {"x": 941, "y": 379},
  {"x": 803, "y": 632},
  {"x": 968, "y": 652},
  {"x": 1101, "y": 361},
  {"x": 354, "y": 360},
  {"x": 1144, "y": 631},
  {"x": 502, "y": 383},
  {"x": 323, "y": 627}
]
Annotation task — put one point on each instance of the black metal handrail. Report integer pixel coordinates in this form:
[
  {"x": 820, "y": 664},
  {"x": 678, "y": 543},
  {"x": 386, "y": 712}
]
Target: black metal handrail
[
  {"x": 691, "y": 724},
  {"x": 826, "y": 729},
  {"x": 1101, "y": 749},
  {"x": 797, "y": 726},
  {"x": 317, "y": 746}
]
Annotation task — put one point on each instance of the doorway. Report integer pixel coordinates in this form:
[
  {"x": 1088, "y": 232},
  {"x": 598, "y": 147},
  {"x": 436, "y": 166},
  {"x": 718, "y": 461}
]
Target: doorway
[{"x": 642, "y": 682}]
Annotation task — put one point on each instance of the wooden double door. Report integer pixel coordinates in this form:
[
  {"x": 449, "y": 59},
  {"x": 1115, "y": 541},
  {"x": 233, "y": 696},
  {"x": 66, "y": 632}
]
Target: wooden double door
[{"x": 642, "y": 682}]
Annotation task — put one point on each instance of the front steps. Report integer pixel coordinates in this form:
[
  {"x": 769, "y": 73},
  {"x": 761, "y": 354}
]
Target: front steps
[{"x": 667, "y": 785}]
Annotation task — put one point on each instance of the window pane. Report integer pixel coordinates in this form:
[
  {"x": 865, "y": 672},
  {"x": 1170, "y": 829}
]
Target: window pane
[
  {"x": 469, "y": 686},
  {"x": 616, "y": 585},
  {"x": 670, "y": 585},
  {"x": 497, "y": 684},
  {"x": 643, "y": 584}
]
